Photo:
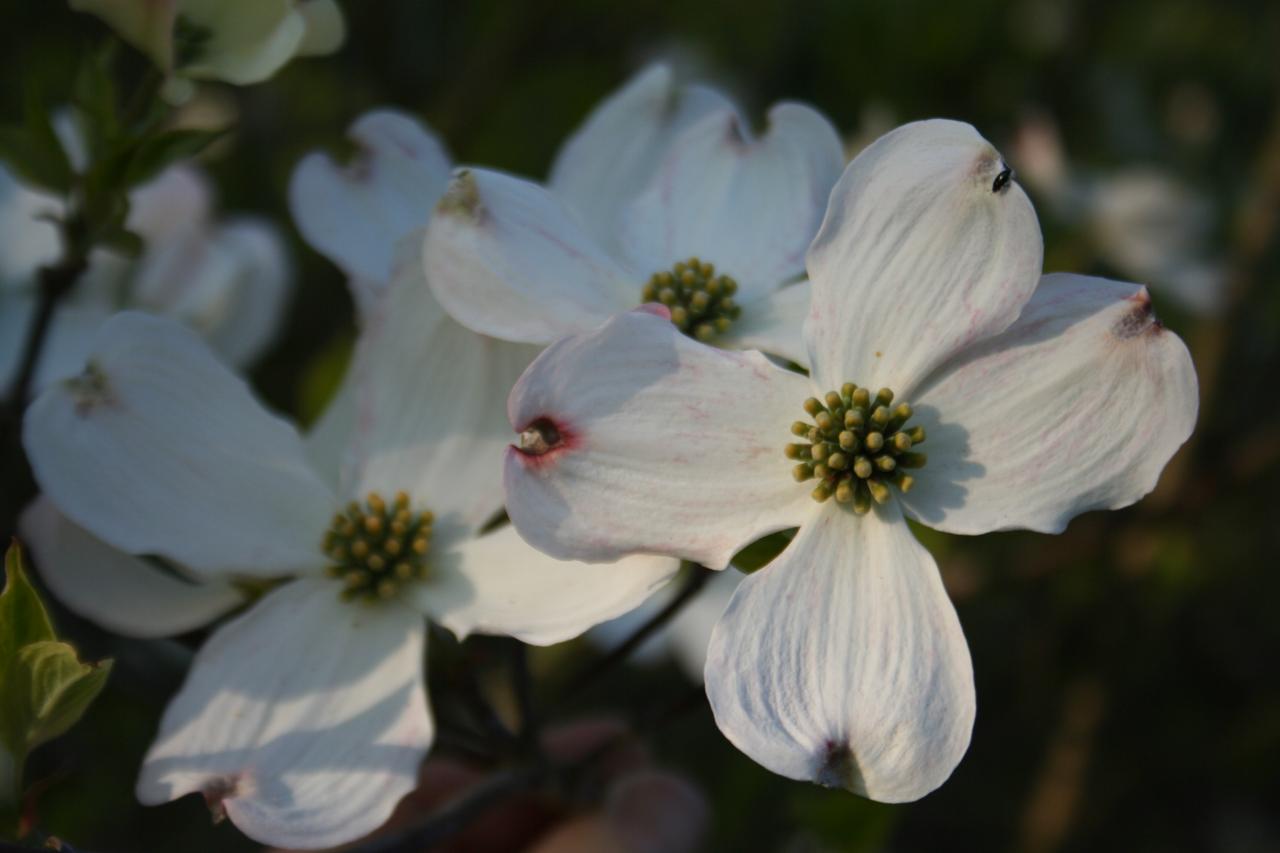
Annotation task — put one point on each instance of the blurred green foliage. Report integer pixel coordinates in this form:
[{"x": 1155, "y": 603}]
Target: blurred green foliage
[{"x": 1126, "y": 670}]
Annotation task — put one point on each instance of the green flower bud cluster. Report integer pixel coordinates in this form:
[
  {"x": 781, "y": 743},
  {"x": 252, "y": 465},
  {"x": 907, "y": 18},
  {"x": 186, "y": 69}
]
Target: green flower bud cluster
[
  {"x": 856, "y": 446},
  {"x": 701, "y": 302},
  {"x": 377, "y": 549}
]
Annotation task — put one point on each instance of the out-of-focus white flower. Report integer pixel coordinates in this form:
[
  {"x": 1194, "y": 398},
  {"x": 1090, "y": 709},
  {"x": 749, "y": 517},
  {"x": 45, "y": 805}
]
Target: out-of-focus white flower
[
  {"x": 228, "y": 280},
  {"x": 237, "y": 41},
  {"x": 662, "y": 196},
  {"x": 305, "y": 718},
  {"x": 1141, "y": 220},
  {"x": 842, "y": 661}
]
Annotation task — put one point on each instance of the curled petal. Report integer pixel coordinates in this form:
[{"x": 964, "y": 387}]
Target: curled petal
[
  {"x": 928, "y": 246},
  {"x": 640, "y": 440},
  {"x": 303, "y": 721},
  {"x": 1077, "y": 406},
  {"x": 842, "y": 662}
]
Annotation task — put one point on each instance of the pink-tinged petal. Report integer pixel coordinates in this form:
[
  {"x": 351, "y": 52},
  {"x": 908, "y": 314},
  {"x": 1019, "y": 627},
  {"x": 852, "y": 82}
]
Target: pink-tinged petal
[
  {"x": 499, "y": 584},
  {"x": 749, "y": 206},
  {"x": 120, "y": 592},
  {"x": 303, "y": 720},
  {"x": 928, "y": 246},
  {"x": 842, "y": 662},
  {"x": 157, "y": 448},
  {"x": 774, "y": 324},
  {"x": 509, "y": 259},
  {"x": 356, "y": 214},
  {"x": 641, "y": 440},
  {"x": 608, "y": 160},
  {"x": 429, "y": 398},
  {"x": 1077, "y": 406}
]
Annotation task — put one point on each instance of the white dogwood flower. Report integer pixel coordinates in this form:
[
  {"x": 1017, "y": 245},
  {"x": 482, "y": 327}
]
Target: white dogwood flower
[
  {"x": 305, "y": 718},
  {"x": 228, "y": 280},
  {"x": 236, "y": 41},
  {"x": 843, "y": 661},
  {"x": 663, "y": 196}
]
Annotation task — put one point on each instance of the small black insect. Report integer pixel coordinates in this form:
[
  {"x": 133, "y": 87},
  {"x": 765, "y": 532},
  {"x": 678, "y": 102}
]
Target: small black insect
[{"x": 1002, "y": 180}]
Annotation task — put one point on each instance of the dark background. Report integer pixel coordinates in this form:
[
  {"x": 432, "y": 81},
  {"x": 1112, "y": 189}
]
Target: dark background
[{"x": 1127, "y": 670}]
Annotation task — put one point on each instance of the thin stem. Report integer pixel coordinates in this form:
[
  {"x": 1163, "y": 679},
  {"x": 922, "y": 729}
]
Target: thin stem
[
  {"x": 522, "y": 686},
  {"x": 692, "y": 584},
  {"x": 55, "y": 282}
]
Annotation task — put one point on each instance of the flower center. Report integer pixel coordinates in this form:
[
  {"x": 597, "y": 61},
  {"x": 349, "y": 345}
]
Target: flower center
[
  {"x": 856, "y": 446},
  {"x": 701, "y": 302},
  {"x": 377, "y": 549}
]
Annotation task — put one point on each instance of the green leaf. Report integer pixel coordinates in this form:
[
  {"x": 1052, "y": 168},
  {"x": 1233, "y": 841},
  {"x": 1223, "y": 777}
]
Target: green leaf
[
  {"x": 128, "y": 243},
  {"x": 59, "y": 688},
  {"x": 44, "y": 686},
  {"x": 154, "y": 153},
  {"x": 23, "y": 619},
  {"x": 36, "y": 164},
  {"x": 95, "y": 96},
  {"x": 34, "y": 151}
]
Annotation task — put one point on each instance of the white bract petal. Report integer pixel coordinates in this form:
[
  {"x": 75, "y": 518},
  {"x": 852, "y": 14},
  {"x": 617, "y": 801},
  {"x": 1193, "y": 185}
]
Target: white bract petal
[
  {"x": 304, "y": 720},
  {"x": 509, "y": 259},
  {"x": 843, "y": 663},
  {"x": 927, "y": 247},
  {"x": 115, "y": 590},
  {"x": 356, "y": 214},
  {"x": 750, "y": 206},
  {"x": 258, "y": 292},
  {"x": 326, "y": 28},
  {"x": 638, "y": 439},
  {"x": 1077, "y": 406},
  {"x": 608, "y": 160},
  {"x": 774, "y": 324},
  {"x": 239, "y": 41},
  {"x": 498, "y": 584},
  {"x": 430, "y": 403},
  {"x": 158, "y": 449}
]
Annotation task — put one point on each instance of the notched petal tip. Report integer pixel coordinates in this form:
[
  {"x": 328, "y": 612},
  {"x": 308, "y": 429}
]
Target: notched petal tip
[
  {"x": 1139, "y": 319},
  {"x": 216, "y": 792},
  {"x": 1003, "y": 179},
  {"x": 838, "y": 768},
  {"x": 90, "y": 389},
  {"x": 462, "y": 198},
  {"x": 542, "y": 440}
]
